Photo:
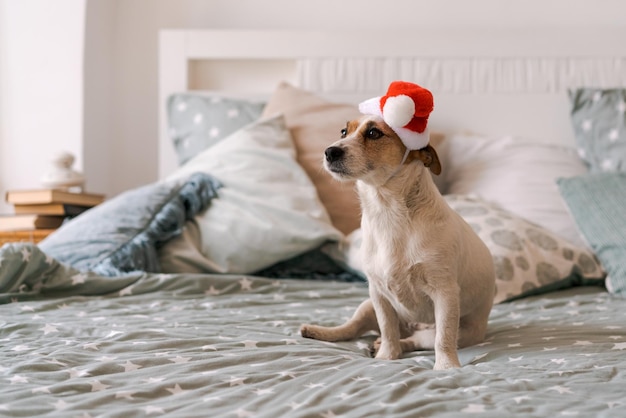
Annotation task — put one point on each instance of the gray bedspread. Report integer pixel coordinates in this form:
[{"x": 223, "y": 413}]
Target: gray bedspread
[{"x": 81, "y": 345}]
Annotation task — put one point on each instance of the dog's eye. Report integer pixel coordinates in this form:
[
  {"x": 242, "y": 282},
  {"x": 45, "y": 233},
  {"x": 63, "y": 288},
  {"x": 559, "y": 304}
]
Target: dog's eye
[
  {"x": 344, "y": 132},
  {"x": 373, "y": 133}
]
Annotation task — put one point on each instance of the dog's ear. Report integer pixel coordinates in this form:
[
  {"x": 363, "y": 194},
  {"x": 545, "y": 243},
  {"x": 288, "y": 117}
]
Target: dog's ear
[{"x": 429, "y": 157}]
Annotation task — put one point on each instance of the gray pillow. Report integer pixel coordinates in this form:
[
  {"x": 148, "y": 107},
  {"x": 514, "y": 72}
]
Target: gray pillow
[
  {"x": 599, "y": 120},
  {"x": 597, "y": 203},
  {"x": 123, "y": 234},
  {"x": 198, "y": 121}
]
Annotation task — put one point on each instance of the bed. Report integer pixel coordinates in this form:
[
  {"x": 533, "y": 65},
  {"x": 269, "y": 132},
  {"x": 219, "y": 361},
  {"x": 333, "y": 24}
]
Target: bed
[{"x": 184, "y": 297}]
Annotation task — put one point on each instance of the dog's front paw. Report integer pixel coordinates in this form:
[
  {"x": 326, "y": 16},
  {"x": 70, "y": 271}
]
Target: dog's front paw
[
  {"x": 446, "y": 363},
  {"x": 306, "y": 331},
  {"x": 375, "y": 347},
  {"x": 386, "y": 351}
]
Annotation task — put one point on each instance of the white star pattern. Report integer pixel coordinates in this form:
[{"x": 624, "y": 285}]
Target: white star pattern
[
  {"x": 250, "y": 344},
  {"x": 294, "y": 405},
  {"x": 60, "y": 405},
  {"x": 180, "y": 359},
  {"x": 127, "y": 291},
  {"x": 198, "y": 118},
  {"x": 607, "y": 164},
  {"x": 474, "y": 408},
  {"x": 176, "y": 390},
  {"x": 587, "y": 125},
  {"x": 246, "y": 284},
  {"x": 43, "y": 389},
  {"x": 154, "y": 380},
  {"x": 78, "y": 278},
  {"x": 129, "y": 366},
  {"x": 97, "y": 386},
  {"x": 47, "y": 329},
  {"x": 242, "y": 413},
  {"x": 91, "y": 346},
  {"x": 125, "y": 395},
  {"x": 25, "y": 254},
  {"x": 212, "y": 291},
  {"x": 236, "y": 381},
  {"x": 214, "y": 132},
  {"x": 560, "y": 389},
  {"x": 15, "y": 379},
  {"x": 613, "y": 135},
  {"x": 77, "y": 373},
  {"x": 20, "y": 347},
  {"x": 153, "y": 410},
  {"x": 113, "y": 333},
  {"x": 266, "y": 391},
  {"x": 619, "y": 346}
]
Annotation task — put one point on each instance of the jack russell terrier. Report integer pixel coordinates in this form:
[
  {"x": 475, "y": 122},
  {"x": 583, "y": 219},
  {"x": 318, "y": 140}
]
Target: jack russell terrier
[{"x": 431, "y": 278}]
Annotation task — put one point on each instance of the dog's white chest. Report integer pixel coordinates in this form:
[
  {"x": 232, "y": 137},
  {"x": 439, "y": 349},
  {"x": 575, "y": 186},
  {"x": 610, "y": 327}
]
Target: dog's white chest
[{"x": 395, "y": 282}]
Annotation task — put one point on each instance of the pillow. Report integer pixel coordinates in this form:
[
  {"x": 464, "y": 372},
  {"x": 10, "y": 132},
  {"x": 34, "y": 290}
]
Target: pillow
[
  {"x": 123, "y": 234},
  {"x": 197, "y": 121},
  {"x": 315, "y": 124},
  {"x": 599, "y": 120},
  {"x": 267, "y": 210},
  {"x": 519, "y": 175},
  {"x": 528, "y": 258},
  {"x": 597, "y": 202}
]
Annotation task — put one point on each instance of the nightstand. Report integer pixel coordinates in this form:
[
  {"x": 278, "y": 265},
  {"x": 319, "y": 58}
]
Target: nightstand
[{"x": 30, "y": 235}]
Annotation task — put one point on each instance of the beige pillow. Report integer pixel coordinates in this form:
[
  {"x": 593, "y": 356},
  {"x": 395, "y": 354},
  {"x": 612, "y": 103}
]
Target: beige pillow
[{"x": 315, "y": 123}]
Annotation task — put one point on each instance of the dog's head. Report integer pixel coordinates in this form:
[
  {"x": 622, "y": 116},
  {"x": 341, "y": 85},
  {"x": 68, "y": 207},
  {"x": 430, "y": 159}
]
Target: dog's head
[{"x": 369, "y": 150}]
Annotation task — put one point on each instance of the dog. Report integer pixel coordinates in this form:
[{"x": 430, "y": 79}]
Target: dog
[{"x": 431, "y": 278}]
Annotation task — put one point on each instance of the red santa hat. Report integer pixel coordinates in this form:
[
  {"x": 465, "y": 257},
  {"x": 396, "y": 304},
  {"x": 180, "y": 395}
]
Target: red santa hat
[{"x": 405, "y": 108}]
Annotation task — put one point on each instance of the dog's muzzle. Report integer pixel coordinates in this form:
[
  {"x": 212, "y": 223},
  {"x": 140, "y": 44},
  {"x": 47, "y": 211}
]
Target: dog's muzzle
[{"x": 334, "y": 154}]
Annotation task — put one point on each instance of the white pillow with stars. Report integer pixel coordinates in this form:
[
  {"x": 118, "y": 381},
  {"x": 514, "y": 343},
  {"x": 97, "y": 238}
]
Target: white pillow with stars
[{"x": 599, "y": 120}]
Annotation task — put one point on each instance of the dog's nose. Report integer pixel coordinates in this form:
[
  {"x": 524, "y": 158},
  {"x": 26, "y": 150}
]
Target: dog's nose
[{"x": 333, "y": 154}]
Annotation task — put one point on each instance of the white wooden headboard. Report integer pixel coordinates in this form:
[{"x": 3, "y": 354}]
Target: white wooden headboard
[{"x": 494, "y": 81}]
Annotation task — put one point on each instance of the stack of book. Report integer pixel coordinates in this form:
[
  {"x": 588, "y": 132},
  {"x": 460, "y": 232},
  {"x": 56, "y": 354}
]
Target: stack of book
[{"x": 45, "y": 209}]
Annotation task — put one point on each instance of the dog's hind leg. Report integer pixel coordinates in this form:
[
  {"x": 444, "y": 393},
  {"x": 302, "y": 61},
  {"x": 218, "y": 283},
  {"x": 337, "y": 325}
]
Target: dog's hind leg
[
  {"x": 471, "y": 332},
  {"x": 363, "y": 320}
]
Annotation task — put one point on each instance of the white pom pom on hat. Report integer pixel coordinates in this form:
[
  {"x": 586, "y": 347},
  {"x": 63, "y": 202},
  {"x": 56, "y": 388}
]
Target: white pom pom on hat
[
  {"x": 405, "y": 108},
  {"x": 398, "y": 110}
]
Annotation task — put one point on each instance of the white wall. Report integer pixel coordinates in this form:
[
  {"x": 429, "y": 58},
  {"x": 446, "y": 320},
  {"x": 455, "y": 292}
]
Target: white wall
[
  {"x": 120, "y": 82},
  {"x": 41, "y": 87},
  {"x": 98, "y": 94}
]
